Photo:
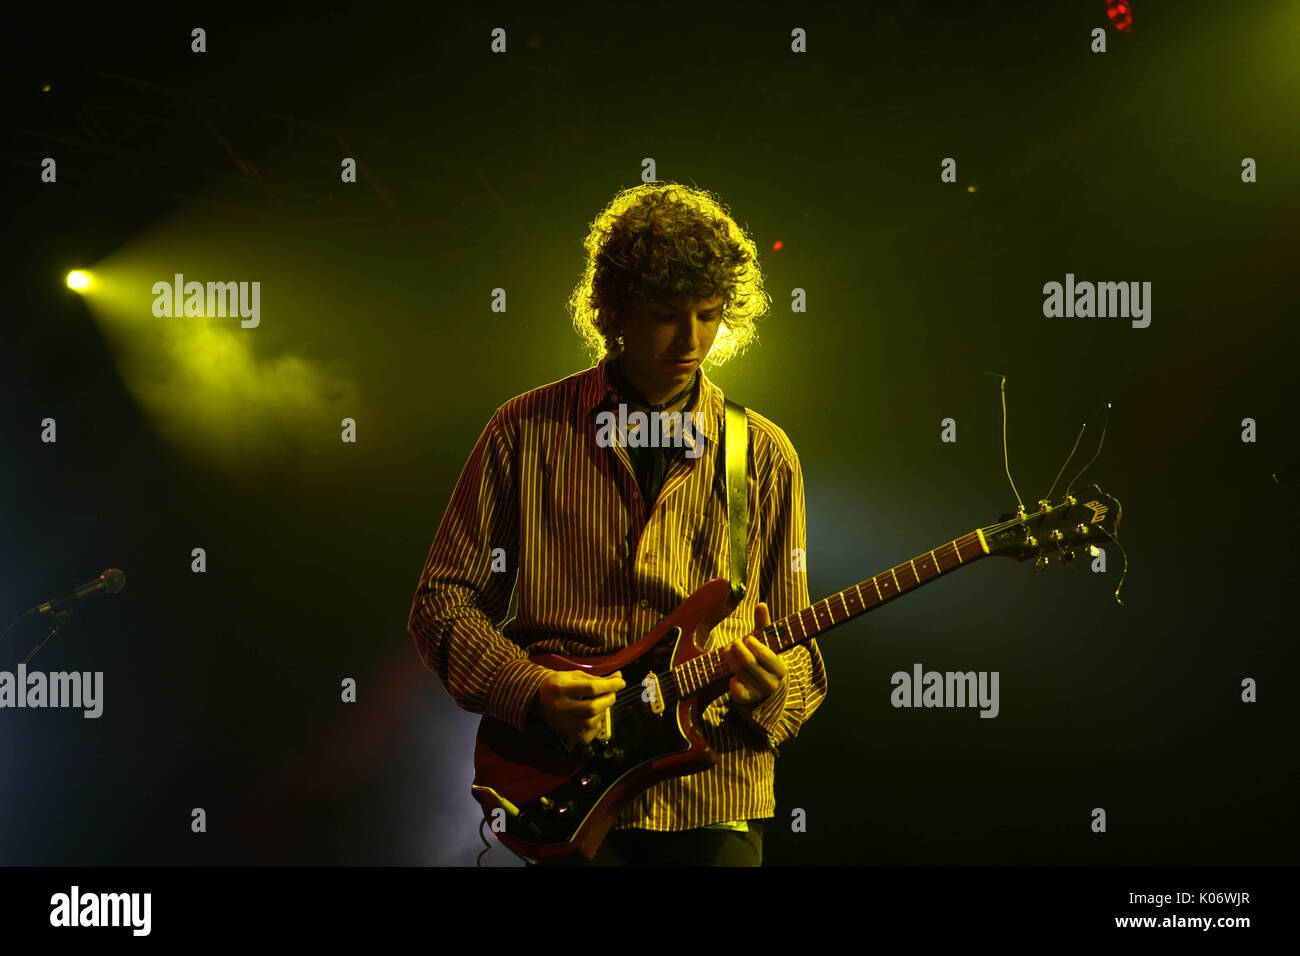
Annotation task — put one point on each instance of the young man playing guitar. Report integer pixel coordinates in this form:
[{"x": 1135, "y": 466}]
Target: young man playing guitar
[{"x": 600, "y": 532}]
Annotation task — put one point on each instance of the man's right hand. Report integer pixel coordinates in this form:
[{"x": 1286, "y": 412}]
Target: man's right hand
[{"x": 572, "y": 704}]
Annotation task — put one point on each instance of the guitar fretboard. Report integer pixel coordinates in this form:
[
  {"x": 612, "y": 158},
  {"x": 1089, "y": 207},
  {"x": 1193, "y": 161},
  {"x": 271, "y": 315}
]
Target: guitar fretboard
[{"x": 840, "y": 607}]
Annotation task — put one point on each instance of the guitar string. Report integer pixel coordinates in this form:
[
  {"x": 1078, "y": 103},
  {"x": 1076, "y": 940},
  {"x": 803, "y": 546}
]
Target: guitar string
[{"x": 632, "y": 696}]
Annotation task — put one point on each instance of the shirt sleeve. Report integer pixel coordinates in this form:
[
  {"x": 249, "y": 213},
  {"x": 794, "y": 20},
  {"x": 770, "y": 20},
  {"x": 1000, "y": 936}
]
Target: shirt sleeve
[
  {"x": 464, "y": 590},
  {"x": 783, "y": 586}
]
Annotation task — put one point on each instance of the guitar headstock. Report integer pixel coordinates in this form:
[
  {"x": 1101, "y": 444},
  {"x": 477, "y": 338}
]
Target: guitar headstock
[{"x": 1074, "y": 522}]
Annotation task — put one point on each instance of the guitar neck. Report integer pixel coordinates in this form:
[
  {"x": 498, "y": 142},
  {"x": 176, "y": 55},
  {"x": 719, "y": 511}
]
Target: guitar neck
[{"x": 840, "y": 608}]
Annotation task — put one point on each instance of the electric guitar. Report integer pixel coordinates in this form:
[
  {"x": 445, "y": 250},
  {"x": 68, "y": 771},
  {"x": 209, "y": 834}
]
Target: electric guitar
[{"x": 544, "y": 800}]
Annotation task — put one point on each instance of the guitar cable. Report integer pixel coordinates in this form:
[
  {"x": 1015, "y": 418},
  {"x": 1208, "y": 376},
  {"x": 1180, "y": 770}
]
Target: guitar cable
[{"x": 486, "y": 845}]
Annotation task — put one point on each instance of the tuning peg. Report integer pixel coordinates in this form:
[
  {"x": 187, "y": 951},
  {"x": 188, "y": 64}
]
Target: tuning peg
[
  {"x": 1041, "y": 563},
  {"x": 1067, "y": 556}
]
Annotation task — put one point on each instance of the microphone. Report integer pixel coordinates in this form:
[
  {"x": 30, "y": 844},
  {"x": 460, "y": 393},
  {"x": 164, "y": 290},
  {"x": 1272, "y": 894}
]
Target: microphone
[{"x": 110, "y": 582}]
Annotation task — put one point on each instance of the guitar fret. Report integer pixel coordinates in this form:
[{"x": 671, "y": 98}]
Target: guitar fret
[
  {"x": 804, "y": 623},
  {"x": 695, "y": 675}
]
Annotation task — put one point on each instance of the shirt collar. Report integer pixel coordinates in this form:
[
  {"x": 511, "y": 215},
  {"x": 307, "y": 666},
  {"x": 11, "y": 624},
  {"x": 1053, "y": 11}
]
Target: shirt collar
[{"x": 594, "y": 389}]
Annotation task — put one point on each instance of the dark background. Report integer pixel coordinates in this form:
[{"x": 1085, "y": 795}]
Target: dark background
[{"x": 222, "y": 689}]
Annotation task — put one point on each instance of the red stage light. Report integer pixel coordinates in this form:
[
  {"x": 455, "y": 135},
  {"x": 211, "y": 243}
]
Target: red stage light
[{"x": 1121, "y": 14}]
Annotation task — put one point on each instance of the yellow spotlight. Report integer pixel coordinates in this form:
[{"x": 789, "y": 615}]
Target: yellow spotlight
[{"x": 79, "y": 280}]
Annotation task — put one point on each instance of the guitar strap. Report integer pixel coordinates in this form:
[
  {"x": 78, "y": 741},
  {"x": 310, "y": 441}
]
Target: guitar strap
[{"x": 734, "y": 457}]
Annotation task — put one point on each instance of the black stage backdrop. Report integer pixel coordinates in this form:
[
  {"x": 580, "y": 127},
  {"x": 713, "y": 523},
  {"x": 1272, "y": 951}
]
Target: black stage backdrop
[{"x": 914, "y": 175}]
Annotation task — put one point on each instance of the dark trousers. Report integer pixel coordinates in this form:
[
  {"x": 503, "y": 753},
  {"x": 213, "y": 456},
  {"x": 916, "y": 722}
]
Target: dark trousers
[{"x": 700, "y": 847}]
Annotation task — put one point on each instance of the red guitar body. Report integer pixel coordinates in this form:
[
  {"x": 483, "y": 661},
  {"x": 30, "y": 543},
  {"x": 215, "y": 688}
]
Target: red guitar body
[{"x": 543, "y": 801}]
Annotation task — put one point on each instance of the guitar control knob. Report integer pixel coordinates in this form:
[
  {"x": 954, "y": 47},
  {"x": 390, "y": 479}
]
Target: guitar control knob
[
  {"x": 546, "y": 803},
  {"x": 614, "y": 753},
  {"x": 567, "y": 806},
  {"x": 588, "y": 779}
]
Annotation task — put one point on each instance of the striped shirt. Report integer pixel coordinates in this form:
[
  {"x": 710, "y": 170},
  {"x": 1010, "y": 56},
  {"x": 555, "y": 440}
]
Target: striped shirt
[{"x": 546, "y": 510}]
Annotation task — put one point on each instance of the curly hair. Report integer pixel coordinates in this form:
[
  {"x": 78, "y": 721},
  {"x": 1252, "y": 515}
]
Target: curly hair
[{"x": 666, "y": 242}]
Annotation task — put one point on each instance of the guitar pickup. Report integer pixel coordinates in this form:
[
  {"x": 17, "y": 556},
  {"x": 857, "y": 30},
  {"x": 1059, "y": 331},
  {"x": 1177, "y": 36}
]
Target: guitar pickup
[{"x": 651, "y": 694}]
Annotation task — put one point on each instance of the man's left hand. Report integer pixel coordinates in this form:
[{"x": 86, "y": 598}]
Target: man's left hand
[{"x": 758, "y": 671}]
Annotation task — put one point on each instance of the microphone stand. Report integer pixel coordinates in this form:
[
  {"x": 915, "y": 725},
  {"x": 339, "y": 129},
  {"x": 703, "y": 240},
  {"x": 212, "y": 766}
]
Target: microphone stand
[
  {"x": 58, "y": 619},
  {"x": 60, "y": 616}
]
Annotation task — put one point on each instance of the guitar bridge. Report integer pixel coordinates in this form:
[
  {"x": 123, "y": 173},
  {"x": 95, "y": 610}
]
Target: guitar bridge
[{"x": 606, "y": 726}]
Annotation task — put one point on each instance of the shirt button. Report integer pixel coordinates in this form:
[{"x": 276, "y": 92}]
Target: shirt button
[{"x": 645, "y": 603}]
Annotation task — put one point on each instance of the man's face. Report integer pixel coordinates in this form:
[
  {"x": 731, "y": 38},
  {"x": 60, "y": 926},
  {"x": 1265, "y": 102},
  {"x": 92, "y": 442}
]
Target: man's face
[{"x": 663, "y": 343}]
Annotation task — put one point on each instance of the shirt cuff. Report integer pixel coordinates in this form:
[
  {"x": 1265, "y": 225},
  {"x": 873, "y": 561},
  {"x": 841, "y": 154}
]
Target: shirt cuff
[
  {"x": 766, "y": 714},
  {"x": 513, "y": 690}
]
